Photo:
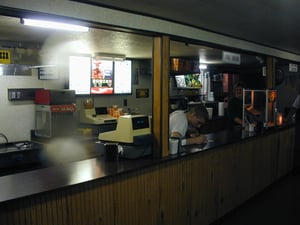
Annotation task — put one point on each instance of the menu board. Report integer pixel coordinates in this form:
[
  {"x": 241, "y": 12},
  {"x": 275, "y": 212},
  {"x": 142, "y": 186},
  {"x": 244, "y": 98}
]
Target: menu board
[
  {"x": 122, "y": 77},
  {"x": 102, "y": 77},
  {"x": 79, "y": 74},
  {"x": 99, "y": 77}
]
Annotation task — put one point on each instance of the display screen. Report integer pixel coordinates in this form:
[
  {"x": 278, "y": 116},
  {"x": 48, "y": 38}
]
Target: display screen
[
  {"x": 188, "y": 80},
  {"x": 79, "y": 74},
  {"x": 122, "y": 77},
  {"x": 102, "y": 77},
  {"x": 99, "y": 77},
  {"x": 140, "y": 122}
]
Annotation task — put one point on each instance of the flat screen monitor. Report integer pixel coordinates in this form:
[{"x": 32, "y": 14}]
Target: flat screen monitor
[
  {"x": 79, "y": 74},
  {"x": 188, "y": 81},
  {"x": 102, "y": 81},
  {"x": 122, "y": 77}
]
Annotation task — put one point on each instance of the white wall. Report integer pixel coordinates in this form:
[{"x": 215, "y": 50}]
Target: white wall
[{"x": 17, "y": 117}]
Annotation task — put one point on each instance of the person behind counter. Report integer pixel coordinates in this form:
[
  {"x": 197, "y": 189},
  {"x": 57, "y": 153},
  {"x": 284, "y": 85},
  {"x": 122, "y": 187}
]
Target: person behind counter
[
  {"x": 294, "y": 108},
  {"x": 235, "y": 106},
  {"x": 185, "y": 124}
]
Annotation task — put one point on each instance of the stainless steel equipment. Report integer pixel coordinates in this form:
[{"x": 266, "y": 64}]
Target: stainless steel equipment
[
  {"x": 55, "y": 120},
  {"x": 259, "y": 106},
  {"x": 55, "y": 113}
]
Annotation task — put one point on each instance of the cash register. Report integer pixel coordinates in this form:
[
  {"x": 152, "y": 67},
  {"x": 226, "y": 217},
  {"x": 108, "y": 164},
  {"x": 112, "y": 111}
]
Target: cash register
[{"x": 133, "y": 133}]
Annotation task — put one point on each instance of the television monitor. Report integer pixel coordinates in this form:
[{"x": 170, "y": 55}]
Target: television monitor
[
  {"x": 79, "y": 74},
  {"x": 188, "y": 81}
]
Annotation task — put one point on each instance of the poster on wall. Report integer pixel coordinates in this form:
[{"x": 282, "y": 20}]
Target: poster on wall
[
  {"x": 4, "y": 57},
  {"x": 142, "y": 93}
]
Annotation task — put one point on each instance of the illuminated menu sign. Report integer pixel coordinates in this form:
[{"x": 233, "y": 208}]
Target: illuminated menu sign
[
  {"x": 79, "y": 74},
  {"x": 102, "y": 77},
  {"x": 99, "y": 77},
  {"x": 122, "y": 77}
]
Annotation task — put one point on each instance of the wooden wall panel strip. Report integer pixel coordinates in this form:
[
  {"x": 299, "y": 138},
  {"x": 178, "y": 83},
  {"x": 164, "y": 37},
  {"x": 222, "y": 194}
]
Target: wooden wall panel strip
[
  {"x": 203, "y": 191},
  {"x": 174, "y": 188},
  {"x": 244, "y": 172},
  {"x": 136, "y": 198}
]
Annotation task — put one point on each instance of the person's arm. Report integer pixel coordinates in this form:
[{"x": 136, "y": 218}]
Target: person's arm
[
  {"x": 238, "y": 120},
  {"x": 176, "y": 134},
  {"x": 290, "y": 114},
  {"x": 201, "y": 139}
]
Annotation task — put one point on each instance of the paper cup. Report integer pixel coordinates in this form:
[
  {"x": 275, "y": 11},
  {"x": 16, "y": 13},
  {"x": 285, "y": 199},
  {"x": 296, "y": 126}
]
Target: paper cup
[
  {"x": 173, "y": 146},
  {"x": 210, "y": 112}
]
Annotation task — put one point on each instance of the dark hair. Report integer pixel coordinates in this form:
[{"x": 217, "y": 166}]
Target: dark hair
[
  {"x": 238, "y": 84},
  {"x": 200, "y": 111}
]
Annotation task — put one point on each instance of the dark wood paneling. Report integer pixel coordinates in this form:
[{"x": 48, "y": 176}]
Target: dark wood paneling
[
  {"x": 174, "y": 180},
  {"x": 270, "y": 78},
  {"x": 190, "y": 190}
]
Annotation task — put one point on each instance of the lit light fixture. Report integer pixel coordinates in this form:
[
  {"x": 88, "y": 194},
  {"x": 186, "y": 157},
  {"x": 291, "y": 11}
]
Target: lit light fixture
[
  {"x": 202, "y": 66},
  {"x": 54, "y": 25},
  {"x": 109, "y": 56}
]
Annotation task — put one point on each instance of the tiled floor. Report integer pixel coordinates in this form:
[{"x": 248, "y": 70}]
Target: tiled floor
[{"x": 277, "y": 205}]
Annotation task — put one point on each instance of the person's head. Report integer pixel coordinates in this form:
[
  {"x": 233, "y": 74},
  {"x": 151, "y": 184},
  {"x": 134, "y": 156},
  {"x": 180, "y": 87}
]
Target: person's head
[
  {"x": 197, "y": 115},
  {"x": 238, "y": 89}
]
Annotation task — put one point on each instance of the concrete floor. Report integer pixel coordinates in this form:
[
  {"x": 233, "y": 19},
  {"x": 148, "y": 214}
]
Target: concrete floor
[{"x": 277, "y": 205}]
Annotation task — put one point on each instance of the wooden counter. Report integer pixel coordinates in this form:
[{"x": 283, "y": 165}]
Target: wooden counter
[{"x": 196, "y": 187}]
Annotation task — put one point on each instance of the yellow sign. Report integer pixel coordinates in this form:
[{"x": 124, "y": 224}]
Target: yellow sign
[{"x": 4, "y": 57}]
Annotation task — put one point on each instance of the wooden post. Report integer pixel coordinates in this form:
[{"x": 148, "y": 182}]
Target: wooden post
[
  {"x": 270, "y": 79},
  {"x": 160, "y": 117}
]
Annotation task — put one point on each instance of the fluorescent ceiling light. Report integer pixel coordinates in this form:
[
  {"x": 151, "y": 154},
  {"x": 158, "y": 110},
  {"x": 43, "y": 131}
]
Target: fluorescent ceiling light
[
  {"x": 54, "y": 25},
  {"x": 202, "y": 66}
]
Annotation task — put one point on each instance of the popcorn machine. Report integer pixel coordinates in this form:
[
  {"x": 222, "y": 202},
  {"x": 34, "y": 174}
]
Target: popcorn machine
[{"x": 55, "y": 113}]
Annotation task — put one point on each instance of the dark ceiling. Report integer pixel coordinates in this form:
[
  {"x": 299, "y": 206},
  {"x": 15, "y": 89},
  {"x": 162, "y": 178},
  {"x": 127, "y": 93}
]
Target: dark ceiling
[{"x": 265, "y": 22}]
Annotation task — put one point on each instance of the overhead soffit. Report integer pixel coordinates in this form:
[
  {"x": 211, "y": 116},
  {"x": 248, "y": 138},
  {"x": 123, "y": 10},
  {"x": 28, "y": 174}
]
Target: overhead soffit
[
  {"x": 267, "y": 22},
  {"x": 100, "y": 40}
]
